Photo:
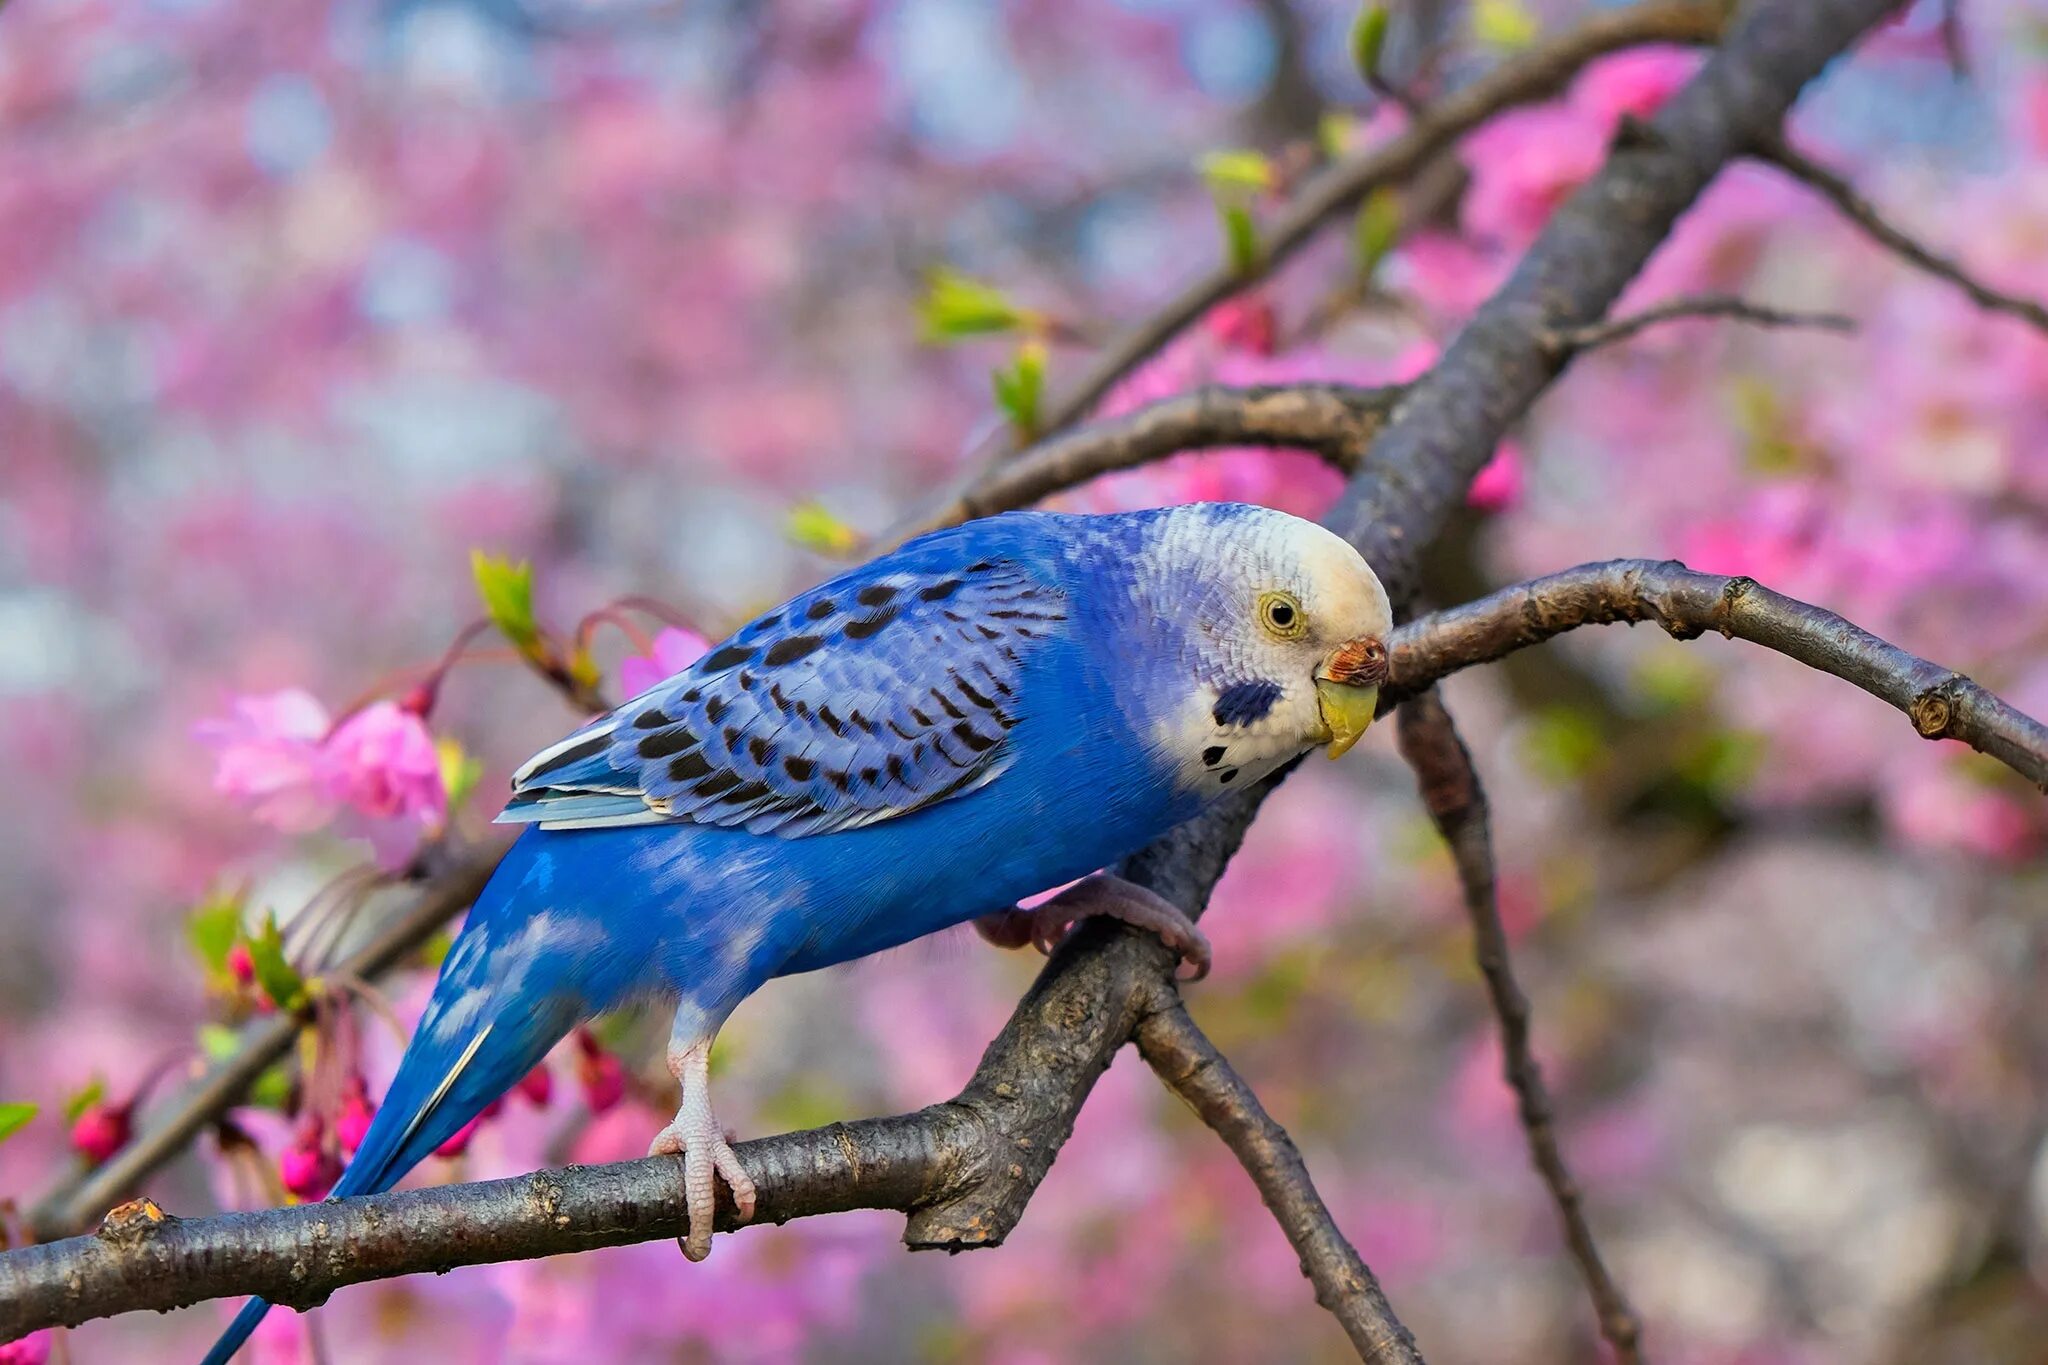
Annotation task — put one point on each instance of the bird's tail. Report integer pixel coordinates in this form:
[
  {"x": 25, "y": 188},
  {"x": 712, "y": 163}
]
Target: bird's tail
[{"x": 494, "y": 1014}]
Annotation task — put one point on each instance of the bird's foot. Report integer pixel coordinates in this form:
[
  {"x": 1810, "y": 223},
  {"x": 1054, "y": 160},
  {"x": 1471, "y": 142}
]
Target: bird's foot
[
  {"x": 696, "y": 1137},
  {"x": 1101, "y": 894}
]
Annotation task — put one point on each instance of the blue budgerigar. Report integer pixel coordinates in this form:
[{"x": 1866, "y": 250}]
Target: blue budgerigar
[{"x": 987, "y": 712}]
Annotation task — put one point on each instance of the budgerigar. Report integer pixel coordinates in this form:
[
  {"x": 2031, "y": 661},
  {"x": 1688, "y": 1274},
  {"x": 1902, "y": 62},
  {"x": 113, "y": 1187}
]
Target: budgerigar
[{"x": 990, "y": 711}]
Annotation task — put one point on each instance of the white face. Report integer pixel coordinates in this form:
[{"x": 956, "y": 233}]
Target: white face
[{"x": 1274, "y": 600}]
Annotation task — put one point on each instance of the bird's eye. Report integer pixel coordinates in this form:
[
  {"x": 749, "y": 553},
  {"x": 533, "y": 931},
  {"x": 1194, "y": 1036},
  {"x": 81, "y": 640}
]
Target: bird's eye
[{"x": 1282, "y": 615}]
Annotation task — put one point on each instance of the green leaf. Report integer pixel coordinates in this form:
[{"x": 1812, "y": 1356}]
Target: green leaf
[
  {"x": 278, "y": 978},
  {"x": 1334, "y": 131},
  {"x": 212, "y": 928},
  {"x": 272, "y": 1089},
  {"x": 1504, "y": 24},
  {"x": 460, "y": 770},
  {"x": 506, "y": 588},
  {"x": 1237, "y": 174},
  {"x": 1368, "y": 37},
  {"x": 218, "y": 1042},
  {"x": 1020, "y": 388},
  {"x": 815, "y": 528},
  {"x": 79, "y": 1101},
  {"x": 1377, "y": 228},
  {"x": 957, "y": 306},
  {"x": 14, "y": 1116},
  {"x": 1240, "y": 239}
]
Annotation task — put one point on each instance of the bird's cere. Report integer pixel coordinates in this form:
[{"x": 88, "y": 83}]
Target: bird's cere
[{"x": 1348, "y": 691}]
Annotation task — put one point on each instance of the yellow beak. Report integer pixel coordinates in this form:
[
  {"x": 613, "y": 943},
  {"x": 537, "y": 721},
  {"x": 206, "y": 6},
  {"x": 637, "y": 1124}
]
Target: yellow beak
[{"x": 1347, "y": 709}]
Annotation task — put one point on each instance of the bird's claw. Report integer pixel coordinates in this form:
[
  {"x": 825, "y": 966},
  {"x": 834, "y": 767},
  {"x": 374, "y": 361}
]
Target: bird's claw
[
  {"x": 695, "y": 1136},
  {"x": 1048, "y": 926}
]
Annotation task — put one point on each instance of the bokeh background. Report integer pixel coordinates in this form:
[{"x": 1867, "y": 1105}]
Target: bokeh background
[{"x": 302, "y": 301}]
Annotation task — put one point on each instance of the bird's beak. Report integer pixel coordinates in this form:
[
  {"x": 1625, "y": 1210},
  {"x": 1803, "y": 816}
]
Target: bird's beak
[{"x": 1348, "y": 691}]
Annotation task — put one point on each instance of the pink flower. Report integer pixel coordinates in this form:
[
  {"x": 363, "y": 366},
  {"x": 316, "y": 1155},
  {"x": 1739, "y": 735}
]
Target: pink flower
[
  {"x": 309, "y": 1166},
  {"x": 352, "y": 1124},
  {"x": 599, "y": 1072},
  {"x": 269, "y": 755},
  {"x": 538, "y": 1086},
  {"x": 241, "y": 963},
  {"x": 674, "y": 651},
  {"x": 385, "y": 766},
  {"x": 1498, "y": 485},
  {"x": 1245, "y": 323},
  {"x": 458, "y": 1142},
  {"x": 1524, "y": 165},
  {"x": 1635, "y": 83},
  {"x": 32, "y": 1349},
  {"x": 101, "y": 1130}
]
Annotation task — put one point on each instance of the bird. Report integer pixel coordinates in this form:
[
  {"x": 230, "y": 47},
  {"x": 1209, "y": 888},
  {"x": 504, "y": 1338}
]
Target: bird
[{"x": 987, "y": 712}]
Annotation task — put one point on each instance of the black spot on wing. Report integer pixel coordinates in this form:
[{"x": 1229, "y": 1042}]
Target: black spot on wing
[
  {"x": 651, "y": 720},
  {"x": 869, "y": 625},
  {"x": 728, "y": 657},
  {"x": 821, "y": 609},
  {"x": 689, "y": 768},
  {"x": 940, "y": 591},
  {"x": 791, "y": 648},
  {"x": 666, "y": 743},
  {"x": 974, "y": 740},
  {"x": 1245, "y": 702},
  {"x": 799, "y": 768},
  {"x": 874, "y": 595},
  {"x": 589, "y": 748}
]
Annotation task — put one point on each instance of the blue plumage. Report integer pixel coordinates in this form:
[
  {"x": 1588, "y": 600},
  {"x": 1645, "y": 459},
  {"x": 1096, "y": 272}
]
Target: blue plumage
[{"x": 987, "y": 712}]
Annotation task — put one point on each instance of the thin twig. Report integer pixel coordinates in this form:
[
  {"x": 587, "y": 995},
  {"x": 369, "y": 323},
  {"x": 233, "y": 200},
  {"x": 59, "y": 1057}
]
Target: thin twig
[
  {"x": 1530, "y": 76},
  {"x": 1833, "y": 187},
  {"x": 1192, "y": 1068},
  {"x": 1565, "y": 341},
  {"x": 1456, "y": 802},
  {"x": 77, "y": 1202},
  {"x": 1334, "y": 421},
  {"x": 1941, "y": 703}
]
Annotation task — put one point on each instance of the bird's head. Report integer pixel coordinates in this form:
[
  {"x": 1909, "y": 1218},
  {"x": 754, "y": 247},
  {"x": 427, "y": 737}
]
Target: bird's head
[{"x": 1276, "y": 629}]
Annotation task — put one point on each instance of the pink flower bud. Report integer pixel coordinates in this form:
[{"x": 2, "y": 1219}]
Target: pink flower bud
[
  {"x": 241, "y": 963},
  {"x": 101, "y": 1130},
  {"x": 602, "y": 1077},
  {"x": 353, "y": 1121},
  {"x": 538, "y": 1086},
  {"x": 457, "y": 1144},
  {"x": 32, "y": 1349},
  {"x": 309, "y": 1167},
  {"x": 1246, "y": 324}
]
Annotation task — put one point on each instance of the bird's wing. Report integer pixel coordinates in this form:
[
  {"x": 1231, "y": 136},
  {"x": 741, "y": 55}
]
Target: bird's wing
[{"x": 877, "y": 694}]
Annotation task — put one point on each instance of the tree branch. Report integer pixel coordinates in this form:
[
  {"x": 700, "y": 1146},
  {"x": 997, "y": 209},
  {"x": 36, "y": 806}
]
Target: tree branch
[
  {"x": 75, "y": 1203},
  {"x": 1566, "y": 341},
  {"x": 1440, "y": 434},
  {"x": 1457, "y": 805},
  {"x": 963, "y": 1170},
  {"x": 1192, "y": 1068},
  {"x": 1941, "y": 703},
  {"x": 1335, "y": 421},
  {"x": 1776, "y": 151},
  {"x": 1530, "y": 76}
]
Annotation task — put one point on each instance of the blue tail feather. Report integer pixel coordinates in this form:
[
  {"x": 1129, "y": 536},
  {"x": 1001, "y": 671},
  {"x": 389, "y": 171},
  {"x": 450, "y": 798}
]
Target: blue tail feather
[{"x": 450, "y": 1073}]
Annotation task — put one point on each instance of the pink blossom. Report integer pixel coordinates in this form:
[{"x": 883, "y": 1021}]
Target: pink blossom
[
  {"x": 675, "y": 649},
  {"x": 32, "y": 1349},
  {"x": 538, "y": 1086},
  {"x": 241, "y": 963},
  {"x": 458, "y": 1141},
  {"x": 309, "y": 1166},
  {"x": 268, "y": 753},
  {"x": 100, "y": 1130},
  {"x": 386, "y": 768},
  {"x": 1245, "y": 323},
  {"x": 1635, "y": 83},
  {"x": 1498, "y": 485},
  {"x": 1524, "y": 165},
  {"x": 600, "y": 1073},
  {"x": 353, "y": 1121}
]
